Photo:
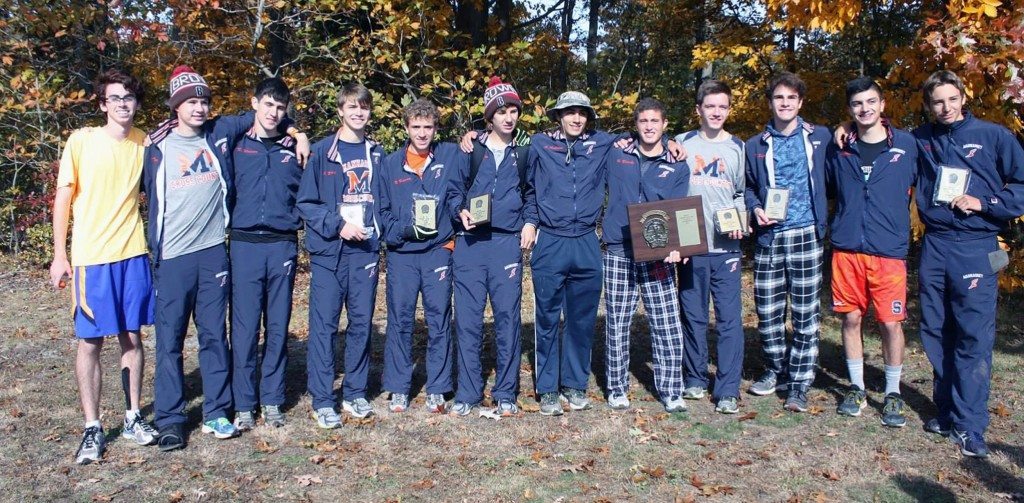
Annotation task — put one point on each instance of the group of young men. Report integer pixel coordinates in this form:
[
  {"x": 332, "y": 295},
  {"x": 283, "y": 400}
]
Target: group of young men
[{"x": 456, "y": 219}]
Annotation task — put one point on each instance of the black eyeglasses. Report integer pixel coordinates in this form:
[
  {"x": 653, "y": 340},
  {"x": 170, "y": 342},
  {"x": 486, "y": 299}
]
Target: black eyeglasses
[{"x": 127, "y": 99}]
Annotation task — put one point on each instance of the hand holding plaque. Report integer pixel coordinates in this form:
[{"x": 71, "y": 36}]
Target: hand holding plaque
[
  {"x": 658, "y": 228},
  {"x": 727, "y": 221},
  {"x": 480, "y": 210},
  {"x": 776, "y": 204},
  {"x": 425, "y": 214},
  {"x": 950, "y": 183}
]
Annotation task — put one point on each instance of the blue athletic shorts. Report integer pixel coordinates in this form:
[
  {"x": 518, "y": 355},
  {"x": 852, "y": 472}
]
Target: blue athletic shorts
[{"x": 113, "y": 298}]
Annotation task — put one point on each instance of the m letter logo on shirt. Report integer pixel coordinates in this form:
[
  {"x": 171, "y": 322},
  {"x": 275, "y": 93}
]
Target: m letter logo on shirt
[{"x": 358, "y": 183}]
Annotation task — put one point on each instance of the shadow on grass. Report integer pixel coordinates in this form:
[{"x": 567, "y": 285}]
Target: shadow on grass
[
  {"x": 994, "y": 477},
  {"x": 923, "y": 489}
]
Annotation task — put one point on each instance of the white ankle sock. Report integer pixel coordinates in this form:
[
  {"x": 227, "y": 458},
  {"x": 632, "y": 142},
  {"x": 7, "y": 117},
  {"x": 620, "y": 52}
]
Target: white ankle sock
[
  {"x": 856, "y": 368},
  {"x": 892, "y": 378}
]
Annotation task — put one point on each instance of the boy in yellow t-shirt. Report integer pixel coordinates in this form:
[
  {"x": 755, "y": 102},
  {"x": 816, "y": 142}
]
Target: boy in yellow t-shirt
[{"x": 98, "y": 182}]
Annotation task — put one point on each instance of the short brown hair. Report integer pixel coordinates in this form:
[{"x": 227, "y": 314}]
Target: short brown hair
[
  {"x": 356, "y": 92},
  {"x": 712, "y": 86},
  {"x": 117, "y": 76},
  {"x": 648, "y": 104},
  {"x": 421, "y": 109},
  {"x": 790, "y": 80},
  {"x": 941, "y": 78}
]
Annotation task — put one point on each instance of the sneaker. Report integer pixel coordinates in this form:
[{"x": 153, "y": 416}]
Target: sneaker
[
  {"x": 892, "y": 411},
  {"x": 94, "y": 443},
  {"x": 461, "y": 408},
  {"x": 359, "y": 408},
  {"x": 937, "y": 427},
  {"x": 694, "y": 393},
  {"x": 577, "y": 398},
  {"x": 171, "y": 437},
  {"x": 273, "y": 416},
  {"x": 436, "y": 403},
  {"x": 727, "y": 405},
  {"x": 507, "y": 408},
  {"x": 245, "y": 420},
  {"x": 765, "y": 385},
  {"x": 675, "y": 404},
  {"x": 399, "y": 402},
  {"x": 550, "y": 405},
  {"x": 618, "y": 401},
  {"x": 796, "y": 401},
  {"x": 327, "y": 418},
  {"x": 139, "y": 430},
  {"x": 971, "y": 444},
  {"x": 853, "y": 402},
  {"x": 221, "y": 428}
]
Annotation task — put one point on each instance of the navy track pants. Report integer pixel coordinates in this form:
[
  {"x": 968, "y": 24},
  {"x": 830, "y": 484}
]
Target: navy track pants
[
  {"x": 566, "y": 275},
  {"x": 717, "y": 275},
  {"x": 488, "y": 266},
  {"x": 262, "y": 279},
  {"x": 197, "y": 284},
  {"x": 958, "y": 326},
  {"x": 353, "y": 283},
  {"x": 409, "y": 275}
]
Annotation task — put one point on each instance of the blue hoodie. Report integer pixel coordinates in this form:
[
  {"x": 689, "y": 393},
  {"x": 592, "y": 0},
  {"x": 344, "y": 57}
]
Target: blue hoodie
[
  {"x": 996, "y": 161},
  {"x": 668, "y": 178},
  {"x": 566, "y": 181},
  {"x": 761, "y": 176},
  {"x": 325, "y": 185},
  {"x": 397, "y": 185},
  {"x": 873, "y": 217}
]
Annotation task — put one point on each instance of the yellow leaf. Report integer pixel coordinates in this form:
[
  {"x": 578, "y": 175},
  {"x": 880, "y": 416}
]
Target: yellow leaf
[{"x": 990, "y": 11}]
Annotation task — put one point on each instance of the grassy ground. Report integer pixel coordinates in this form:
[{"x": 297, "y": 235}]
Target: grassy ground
[{"x": 598, "y": 455}]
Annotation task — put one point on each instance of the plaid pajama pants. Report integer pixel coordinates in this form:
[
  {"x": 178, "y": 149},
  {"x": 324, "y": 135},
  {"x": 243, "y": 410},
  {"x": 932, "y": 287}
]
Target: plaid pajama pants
[
  {"x": 625, "y": 281},
  {"x": 790, "y": 265}
]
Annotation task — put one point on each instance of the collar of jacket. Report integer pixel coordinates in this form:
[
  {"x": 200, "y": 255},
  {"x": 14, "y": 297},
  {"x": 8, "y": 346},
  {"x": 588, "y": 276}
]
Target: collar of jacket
[
  {"x": 284, "y": 141},
  {"x": 633, "y": 148},
  {"x": 944, "y": 129},
  {"x": 519, "y": 138},
  {"x": 332, "y": 153},
  {"x": 558, "y": 134},
  {"x": 807, "y": 127},
  {"x": 888, "y": 134}
]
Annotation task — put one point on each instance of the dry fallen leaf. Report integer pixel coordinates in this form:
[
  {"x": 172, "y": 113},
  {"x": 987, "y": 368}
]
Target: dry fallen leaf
[
  {"x": 529, "y": 494},
  {"x": 744, "y": 462},
  {"x": 688, "y": 498},
  {"x": 710, "y": 456},
  {"x": 306, "y": 480},
  {"x": 265, "y": 447},
  {"x": 317, "y": 459},
  {"x": 657, "y": 472},
  {"x": 424, "y": 484},
  {"x": 747, "y": 417},
  {"x": 819, "y": 497},
  {"x": 1001, "y": 410},
  {"x": 831, "y": 475},
  {"x": 815, "y": 410},
  {"x": 175, "y": 497},
  {"x": 695, "y": 481}
]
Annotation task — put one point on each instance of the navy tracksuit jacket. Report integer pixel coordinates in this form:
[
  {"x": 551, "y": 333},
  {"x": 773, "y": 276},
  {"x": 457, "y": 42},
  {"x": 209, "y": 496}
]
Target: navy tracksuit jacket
[
  {"x": 488, "y": 262},
  {"x": 343, "y": 272},
  {"x": 957, "y": 281},
  {"x": 194, "y": 284},
  {"x": 873, "y": 217},
  {"x": 761, "y": 176},
  {"x": 418, "y": 266},
  {"x": 565, "y": 200},
  {"x": 264, "y": 224}
]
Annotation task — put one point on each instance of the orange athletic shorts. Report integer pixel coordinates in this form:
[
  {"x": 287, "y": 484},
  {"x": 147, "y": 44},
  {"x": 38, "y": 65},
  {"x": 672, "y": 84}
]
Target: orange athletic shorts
[{"x": 859, "y": 277}]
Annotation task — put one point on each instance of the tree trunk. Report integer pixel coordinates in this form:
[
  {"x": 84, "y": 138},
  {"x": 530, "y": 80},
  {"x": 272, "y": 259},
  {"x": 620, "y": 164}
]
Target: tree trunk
[
  {"x": 471, "y": 20},
  {"x": 562, "y": 81},
  {"x": 503, "y": 12},
  {"x": 592, "y": 39}
]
